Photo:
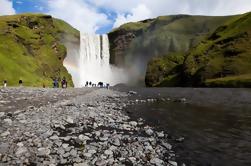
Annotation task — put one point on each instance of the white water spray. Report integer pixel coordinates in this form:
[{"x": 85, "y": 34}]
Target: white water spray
[{"x": 94, "y": 60}]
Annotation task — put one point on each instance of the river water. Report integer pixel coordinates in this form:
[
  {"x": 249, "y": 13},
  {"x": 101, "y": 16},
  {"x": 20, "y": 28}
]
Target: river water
[{"x": 216, "y": 123}]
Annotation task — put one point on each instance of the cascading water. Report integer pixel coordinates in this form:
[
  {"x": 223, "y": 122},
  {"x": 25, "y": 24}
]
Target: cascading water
[{"x": 94, "y": 60}]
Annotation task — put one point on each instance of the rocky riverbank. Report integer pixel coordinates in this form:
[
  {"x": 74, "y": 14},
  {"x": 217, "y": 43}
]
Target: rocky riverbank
[{"x": 76, "y": 127}]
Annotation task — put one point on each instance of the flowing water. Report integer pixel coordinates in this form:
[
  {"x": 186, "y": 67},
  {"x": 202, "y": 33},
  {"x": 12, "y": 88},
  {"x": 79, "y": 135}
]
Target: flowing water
[
  {"x": 217, "y": 134},
  {"x": 92, "y": 62}
]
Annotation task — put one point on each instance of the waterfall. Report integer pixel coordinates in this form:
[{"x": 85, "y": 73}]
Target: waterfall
[{"x": 92, "y": 63}]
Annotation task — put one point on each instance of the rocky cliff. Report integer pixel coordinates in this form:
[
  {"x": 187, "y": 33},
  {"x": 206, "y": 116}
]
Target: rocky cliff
[
  {"x": 221, "y": 59},
  {"x": 133, "y": 45},
  {"x": 33, "y": 49}
]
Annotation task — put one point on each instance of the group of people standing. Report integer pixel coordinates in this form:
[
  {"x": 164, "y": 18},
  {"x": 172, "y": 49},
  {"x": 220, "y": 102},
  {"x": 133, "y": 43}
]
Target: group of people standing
[
  {"x": 64, "y": 83},
  {"x": 5, "y": 83},
  {"x": 100, "y": 84}
]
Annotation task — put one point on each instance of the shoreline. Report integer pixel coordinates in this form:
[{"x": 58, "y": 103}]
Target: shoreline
[{"x": 79, "y": 127}]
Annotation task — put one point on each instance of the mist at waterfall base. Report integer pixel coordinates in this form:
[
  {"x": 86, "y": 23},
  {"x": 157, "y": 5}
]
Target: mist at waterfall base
[{"x": 92, "y": 62}]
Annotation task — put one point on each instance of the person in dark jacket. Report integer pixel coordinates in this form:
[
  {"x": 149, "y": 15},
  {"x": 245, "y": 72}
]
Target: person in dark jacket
[{"x": 64, "y": 83}]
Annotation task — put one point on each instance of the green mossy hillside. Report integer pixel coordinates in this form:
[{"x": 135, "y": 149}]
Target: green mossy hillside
[
  {"x": 31, "y": 49},
  {"x": 133, "y": 45},
  {"x": 221, "y": 59}
]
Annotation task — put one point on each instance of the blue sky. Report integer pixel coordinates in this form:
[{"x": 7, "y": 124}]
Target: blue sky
[{"x": 101, "y": 16}]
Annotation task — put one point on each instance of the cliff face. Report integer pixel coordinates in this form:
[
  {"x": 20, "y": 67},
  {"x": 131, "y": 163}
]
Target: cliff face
[
  {"x": 32, "y": 49},
  {"x": 221, "y": 59},
  {"x": 133, "y": 45}
]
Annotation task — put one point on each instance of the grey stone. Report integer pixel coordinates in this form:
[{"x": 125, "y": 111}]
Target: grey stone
[
  {"x": 69, "y": 120},
  {"x": 2, "y": 114},
  {"x": 149, "y": 132},
  {"x": 173, "y": 163},
  {"x": 8, "y": 121},
  {"x": 20, "y": 151},
  {"x": 108, "y": 152},
  {"x": 5, "y": 134},
  {"x": 43, "y": 151},
  {"x": 157, "y": 161},
  {"x": 54, "y": 137},
  {"x": 73, "y": 153}
]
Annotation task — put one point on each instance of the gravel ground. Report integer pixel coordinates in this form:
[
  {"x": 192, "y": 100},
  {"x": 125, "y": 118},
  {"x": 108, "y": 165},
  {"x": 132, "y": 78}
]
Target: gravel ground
[{"x": 76, "y": 127}]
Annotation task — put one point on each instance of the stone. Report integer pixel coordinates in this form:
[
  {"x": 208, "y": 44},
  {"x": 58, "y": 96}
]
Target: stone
[
  {"x": 133, "y": 123},
  {"x": 81, "y": 164},
  {"x": 88, "y": 155},
  {"x": 92, "y": 151},
  {"x": 54, "y": 137},
  {"x": 20, "y": 151},
  {"x": 4, "y": 147},
  {"x": 160, "y": 134},
  {"x": 181, "y": 139},
  {"x": 167, "y": 145},
  {"x": 156, "y": 161},
  {"x": 83, "y": 137},
  {"x": 2, "y": 114},
  {"x": 43, "y": 151},
  {"x": 5, "y": 134},
  {"x": 65, "y": 146},
  {"x": 108, "y": 152},
  {"x": 8, "y": 121},
  {"x": 173, "y": 163},
  {"x": 73, "y": 153},
  {"x": 116, "y": 142},
  {"x": 69, "y": 120},
  {"x": 149, "y": 132}
]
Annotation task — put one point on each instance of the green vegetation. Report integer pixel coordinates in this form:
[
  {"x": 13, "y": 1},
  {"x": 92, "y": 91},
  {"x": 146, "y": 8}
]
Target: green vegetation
[
  {"x": 31, "y": 49},
  {"x": 222, "y": 58}
]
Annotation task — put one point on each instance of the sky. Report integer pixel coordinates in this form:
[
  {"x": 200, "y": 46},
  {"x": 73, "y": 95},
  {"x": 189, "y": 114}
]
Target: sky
[{"x": 101, "y": 16}]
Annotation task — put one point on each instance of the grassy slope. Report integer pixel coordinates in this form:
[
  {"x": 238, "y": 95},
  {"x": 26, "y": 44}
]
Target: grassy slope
[
  {"x": 165, "y": 35},
  {"x": 31, "y": 50},
  {"x": 224, "y": 58}
]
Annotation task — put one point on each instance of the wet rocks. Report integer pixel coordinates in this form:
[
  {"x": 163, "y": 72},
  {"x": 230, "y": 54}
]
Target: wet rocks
[{"x": 90, "y": 129}]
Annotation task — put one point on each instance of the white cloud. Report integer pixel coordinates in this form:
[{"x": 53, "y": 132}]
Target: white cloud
[
  {"x": 6, "y": 7},
  {"x": 141, "y": 12},
  {"x": 79, "y": 14},
  {"x": 167, "y": 7}
]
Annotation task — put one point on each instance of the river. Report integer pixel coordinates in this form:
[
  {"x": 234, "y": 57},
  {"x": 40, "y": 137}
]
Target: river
[{"x": 216, "y": 123}]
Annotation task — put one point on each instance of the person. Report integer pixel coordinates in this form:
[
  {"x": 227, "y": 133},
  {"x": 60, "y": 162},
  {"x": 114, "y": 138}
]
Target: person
[
  {"x": 20, "y": 82},
  {"x": 107, "y": 86},
  {"x": 5, "y": 83},
  {"x": 55, "y": 83},
  {"x": 64, "y": 83},
  {"x": 86, "y": 84}
]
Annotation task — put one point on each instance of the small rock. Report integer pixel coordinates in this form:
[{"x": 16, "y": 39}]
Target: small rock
[
  {"x": 2, "y": 114},
  {"x": 88, "y": 155},
  {"x": 8, "y": 121},
  {"x": 156, "y": 161},
  {"x": 20, "y": 151},
  {"x": 161, "y": 134},
  {"x": 108, "y": 152},
  {"x": 181, "y": 139},
  {"x": 65, "y": 146},
  {"x": 149, "y": 132},
  {"x": 83, "y": 137},
  {"x": 132, "y": 93},
  {"x": 5, "y": 134},
  {"x": 54, "y": 137},
  {"x": 173, "y": 163},
  {"x": 43, "y": 151},
  {"x": 69, "y": 120},
  {"x": 133, "y": 123},
  {"x": 73, "y": 153}
]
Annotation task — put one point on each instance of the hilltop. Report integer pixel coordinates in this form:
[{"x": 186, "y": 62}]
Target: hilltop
[
  {"x": 221, "y": 59},
  {"x": 32, "y": 49},
  {"x": 133, "y": 45}
]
